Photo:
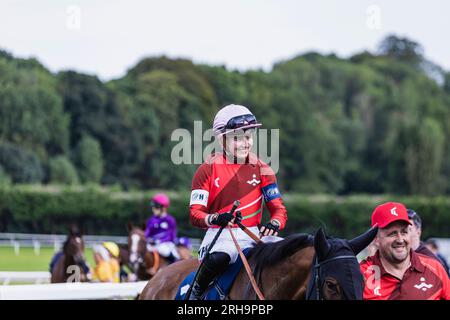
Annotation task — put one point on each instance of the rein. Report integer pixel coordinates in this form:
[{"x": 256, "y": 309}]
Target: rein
[{"x": 247, "y": 267}]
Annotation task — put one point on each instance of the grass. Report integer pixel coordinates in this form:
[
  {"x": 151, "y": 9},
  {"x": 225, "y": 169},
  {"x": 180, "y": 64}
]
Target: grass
[{"x": 28, "y": 261}]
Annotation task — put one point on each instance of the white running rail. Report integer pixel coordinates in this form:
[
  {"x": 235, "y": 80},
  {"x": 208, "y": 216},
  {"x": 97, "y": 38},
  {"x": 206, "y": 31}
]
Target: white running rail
[
  {"x": 17, "y": 240},
  {"x": 72, "y": 291},
  {"x": 6, "y": 277}
]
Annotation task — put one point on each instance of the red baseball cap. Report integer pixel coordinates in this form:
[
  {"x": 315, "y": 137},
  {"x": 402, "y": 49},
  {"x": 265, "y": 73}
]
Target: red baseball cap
[{"x": 389, "y": 212}]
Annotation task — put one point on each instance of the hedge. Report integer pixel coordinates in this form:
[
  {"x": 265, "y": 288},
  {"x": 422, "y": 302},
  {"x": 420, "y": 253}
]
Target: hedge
[{"x": 36, "y": 209}]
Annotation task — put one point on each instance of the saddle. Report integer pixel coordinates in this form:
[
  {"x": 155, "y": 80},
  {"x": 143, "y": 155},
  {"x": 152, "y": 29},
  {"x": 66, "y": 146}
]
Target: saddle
[
  {"x": 218, "y": 289},
  {"x": 54, "y": 260}
]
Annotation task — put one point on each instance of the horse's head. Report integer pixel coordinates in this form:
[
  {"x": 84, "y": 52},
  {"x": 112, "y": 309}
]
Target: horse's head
[
  {"x": 74, "y": 245},
  {"x": 137, "y": 246},
  {"x": 336, "y": 273}
]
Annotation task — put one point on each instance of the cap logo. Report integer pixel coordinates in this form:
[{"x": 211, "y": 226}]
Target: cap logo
[{"x": 393, "y": 212}]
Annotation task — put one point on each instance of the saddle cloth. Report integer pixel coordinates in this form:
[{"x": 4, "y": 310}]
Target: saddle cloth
[
  {"x": 220, "y": 288},
  {"x": 54, "y": 260}
]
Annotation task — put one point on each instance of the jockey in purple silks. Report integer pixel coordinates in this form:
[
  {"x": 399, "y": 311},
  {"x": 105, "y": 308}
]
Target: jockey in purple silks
[{"x": 161, "y": 230}]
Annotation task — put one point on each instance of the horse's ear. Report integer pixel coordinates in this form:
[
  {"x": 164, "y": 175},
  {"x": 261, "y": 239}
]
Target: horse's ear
[
  {"x": 130, "y": 226},
  {"x": 73, "y": 230},
  {"x": 321, "y": 244},
  {"x": 359, "y": 243}
]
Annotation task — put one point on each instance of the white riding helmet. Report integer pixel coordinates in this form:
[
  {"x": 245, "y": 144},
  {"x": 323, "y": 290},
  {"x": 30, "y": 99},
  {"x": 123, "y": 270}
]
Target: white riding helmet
[{"x": 233, "y": 117}]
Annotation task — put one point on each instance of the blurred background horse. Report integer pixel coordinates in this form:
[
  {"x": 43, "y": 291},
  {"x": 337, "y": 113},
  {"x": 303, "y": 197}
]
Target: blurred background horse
[
  {"x": 143, "y": 261},
  {"x": 70, "y": 263}
]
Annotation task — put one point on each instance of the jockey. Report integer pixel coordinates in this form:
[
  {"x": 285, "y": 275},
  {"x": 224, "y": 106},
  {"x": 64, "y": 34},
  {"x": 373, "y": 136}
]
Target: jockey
[
  {"x": 233, "y": 174},
  {"x": 161, "y": 230}
]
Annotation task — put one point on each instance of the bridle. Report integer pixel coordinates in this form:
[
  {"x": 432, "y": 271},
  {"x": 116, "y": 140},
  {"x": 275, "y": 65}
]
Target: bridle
[
  {"x": 78, "y": 258},
  {"x": 137, "y": 258},
  {"x": 141, "y": 259},
  {"x": 317, "y": 278}
]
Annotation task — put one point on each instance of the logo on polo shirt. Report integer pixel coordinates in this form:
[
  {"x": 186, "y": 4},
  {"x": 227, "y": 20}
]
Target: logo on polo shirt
[
  {"x": 423, "y": 286},
  {"x": 376, "y": 291},
  {"x": 373, "y": 279}
]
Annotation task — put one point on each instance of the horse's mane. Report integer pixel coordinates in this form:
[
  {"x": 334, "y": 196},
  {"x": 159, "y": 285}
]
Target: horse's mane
[
  {"x": 138, "y": 231},
  {"x": 268, "y": 254}
]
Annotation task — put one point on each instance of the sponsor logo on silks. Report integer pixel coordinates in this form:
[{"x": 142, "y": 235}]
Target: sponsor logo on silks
[
  {"x": 164, "y": 225},
  {"x": 254, "y": 182},
  {"x": 216, "y": 182},
  {"x": 201, "y": 252},
  {"x": 423, "y": 286},
  {"x": 199, "y": 196},
  {"x": 271, "y": 192},
  {"x": 393, "y": 212},
  {"x": 184, "y": 289}
]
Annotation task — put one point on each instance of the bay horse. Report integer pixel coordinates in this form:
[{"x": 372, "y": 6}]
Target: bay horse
[
  {"x": 124, "y": 261},
  {"x": 69, "y": 264},
  {"x": 143, "y": 262},
  {"x": 301, "y": 266}
]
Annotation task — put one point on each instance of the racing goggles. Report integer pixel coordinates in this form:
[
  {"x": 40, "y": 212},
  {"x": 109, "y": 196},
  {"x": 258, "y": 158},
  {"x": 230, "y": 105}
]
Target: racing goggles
[{"x": 239, "y": 122}]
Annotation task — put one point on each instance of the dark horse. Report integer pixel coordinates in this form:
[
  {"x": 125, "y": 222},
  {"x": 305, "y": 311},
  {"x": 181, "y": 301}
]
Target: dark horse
[
  {"x": 70, "y": 264},
  {"x": 145, "y": 263},
  {"x": 298, "y": 267},
  {"x": 124, "y": 262}
]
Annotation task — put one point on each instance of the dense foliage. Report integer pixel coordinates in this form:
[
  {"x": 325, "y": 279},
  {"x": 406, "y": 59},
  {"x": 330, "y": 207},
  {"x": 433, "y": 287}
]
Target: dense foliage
[{"x": 373, "y": 123}]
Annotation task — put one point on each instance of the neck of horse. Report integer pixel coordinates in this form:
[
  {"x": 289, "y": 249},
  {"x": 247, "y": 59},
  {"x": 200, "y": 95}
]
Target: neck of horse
[
  {"x": 286, "y": 280},
  {"x": 290, "y": 278},
  {"x": 68, "y": 260}
]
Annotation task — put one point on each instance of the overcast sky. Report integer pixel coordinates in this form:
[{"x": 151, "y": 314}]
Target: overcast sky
[{"x": 106, "y": 37}]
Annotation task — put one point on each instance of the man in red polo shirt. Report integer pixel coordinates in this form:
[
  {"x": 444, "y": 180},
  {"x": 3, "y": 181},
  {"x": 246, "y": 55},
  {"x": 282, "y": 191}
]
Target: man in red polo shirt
[{"x": 396, "y": 272}]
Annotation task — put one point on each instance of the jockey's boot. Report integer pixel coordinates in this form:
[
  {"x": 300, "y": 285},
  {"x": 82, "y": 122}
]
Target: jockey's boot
[
  {"x": 171, "y": 258},
  {"x": 214, "y": 265}
]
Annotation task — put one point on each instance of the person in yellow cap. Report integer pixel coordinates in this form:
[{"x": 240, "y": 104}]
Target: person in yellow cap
[{"x": 106, "y": 262}]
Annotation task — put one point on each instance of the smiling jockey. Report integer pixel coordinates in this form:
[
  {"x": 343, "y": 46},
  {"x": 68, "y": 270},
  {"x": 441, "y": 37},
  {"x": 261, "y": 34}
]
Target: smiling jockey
[{"x": 234, "y": 174}]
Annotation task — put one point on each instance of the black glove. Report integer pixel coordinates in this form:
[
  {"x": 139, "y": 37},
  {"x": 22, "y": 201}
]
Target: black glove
[
  {"x": 221, "y": 219},
  {"x": 270, "y": 228}
]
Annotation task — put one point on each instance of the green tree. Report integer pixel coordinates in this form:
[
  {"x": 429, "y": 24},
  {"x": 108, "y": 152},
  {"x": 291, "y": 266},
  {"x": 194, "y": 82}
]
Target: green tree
[
  {"x": 402, "y": 49},
  {"x": 424, "y": 158},
  {"x": 62, "y": 171},
  {"x": 89, "y": 159},
  {"x": 21, "y": 165},
  {"x": 5, "y": 180},
  {"x": 31, "y": 112}
]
